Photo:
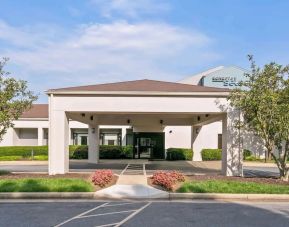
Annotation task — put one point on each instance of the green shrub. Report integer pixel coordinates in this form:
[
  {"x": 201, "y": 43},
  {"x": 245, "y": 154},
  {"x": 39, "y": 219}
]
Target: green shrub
[
  {"x": 78, "y": 152},
  {"x": 127, "y": 151},
  {"x": 23, "y": 151},
  {"x": 75, "y": 152},
  {"x": 110, "y": 152},
  {"x": 246, "y": 153},
  {"x": 179, "y": 154},
  {"x": 211, "y": 154},
  {"x": 252, "y": 158}
]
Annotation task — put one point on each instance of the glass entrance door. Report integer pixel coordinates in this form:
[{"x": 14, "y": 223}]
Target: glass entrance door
[{"x": 148, "y": 145}]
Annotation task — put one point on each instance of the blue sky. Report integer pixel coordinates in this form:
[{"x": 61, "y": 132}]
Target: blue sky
[{"x": 53, "y": 43}]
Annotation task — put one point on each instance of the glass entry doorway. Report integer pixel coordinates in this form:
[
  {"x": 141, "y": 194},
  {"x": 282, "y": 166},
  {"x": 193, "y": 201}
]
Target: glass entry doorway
[{"x": 149, "y": 145}]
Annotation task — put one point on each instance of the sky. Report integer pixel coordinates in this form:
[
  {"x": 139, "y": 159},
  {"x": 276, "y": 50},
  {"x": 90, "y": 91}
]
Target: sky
[{"x": 53, "y": 43}]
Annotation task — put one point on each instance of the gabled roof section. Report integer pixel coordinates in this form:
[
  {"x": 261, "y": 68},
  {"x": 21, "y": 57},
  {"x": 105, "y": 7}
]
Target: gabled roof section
[
  {"x": 196, "y": 79},
  {"x": 137, "y": 86},
  {"x": 220, "y": 71},
  {"x": 36, "y": 111}
]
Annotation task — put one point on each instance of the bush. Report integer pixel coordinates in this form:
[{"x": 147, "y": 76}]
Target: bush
[
  {"x": 23, "y": 151},
  {"x": 102, "y": 177},
  {"x": 246, "y": 153},
  {"x": 211, "y": 154},
  {"x": 252, "y": 158},
  {"x": 110, "y": 152},
  {"x": 167, "y": 179},
  {"x": 75, "y": 152},
  {"x": 127, "y": 151},
  {"x": 179, "y": 154},
  {"x": 78, "y": 151}
]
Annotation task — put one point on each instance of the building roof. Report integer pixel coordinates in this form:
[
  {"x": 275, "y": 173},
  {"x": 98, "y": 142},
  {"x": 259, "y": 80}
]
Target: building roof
[
  {"x": 196, "y": 79},
  {"x": 36, "y": 111},
  {"x": 138, "y": 86},
  {"x": 220, "y": 71}
]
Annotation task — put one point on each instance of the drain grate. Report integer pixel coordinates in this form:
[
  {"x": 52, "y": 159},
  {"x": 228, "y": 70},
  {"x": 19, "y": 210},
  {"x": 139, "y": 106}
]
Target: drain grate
[{"x": 134, "y": 169}]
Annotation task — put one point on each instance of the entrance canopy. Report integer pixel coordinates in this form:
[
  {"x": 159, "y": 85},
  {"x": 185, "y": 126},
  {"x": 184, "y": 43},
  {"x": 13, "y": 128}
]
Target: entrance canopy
[{"x": 146, "y": 105}]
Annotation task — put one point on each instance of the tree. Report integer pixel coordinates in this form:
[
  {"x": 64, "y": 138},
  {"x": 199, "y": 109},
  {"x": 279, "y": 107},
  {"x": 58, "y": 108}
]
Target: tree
[
  {"x": 264, "y": 102},
  {"x": 15, "y": 98}
]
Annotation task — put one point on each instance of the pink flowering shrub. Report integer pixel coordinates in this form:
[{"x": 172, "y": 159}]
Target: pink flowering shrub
[
  {"x": 102, "y": 177},
  {"x": 167, "y": 179}
]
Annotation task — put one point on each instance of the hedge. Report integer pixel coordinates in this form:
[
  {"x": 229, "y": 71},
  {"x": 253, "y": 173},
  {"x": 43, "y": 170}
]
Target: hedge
[
  {"x": 179, "y": 154},
  {"x": 75, "y": 152},
  {"x": 24, "y": 151},
  {"x": 211, "y": 154}
]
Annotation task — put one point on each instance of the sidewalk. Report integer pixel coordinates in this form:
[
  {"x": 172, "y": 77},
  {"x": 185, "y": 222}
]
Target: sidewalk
[{"x": 132, "y": 183}]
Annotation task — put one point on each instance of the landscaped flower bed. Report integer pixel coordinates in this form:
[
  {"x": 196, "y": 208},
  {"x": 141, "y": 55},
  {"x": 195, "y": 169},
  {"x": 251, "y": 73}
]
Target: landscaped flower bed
[
  {"x": 167, "y": 179},
  {"x": 102, "y": 177}
]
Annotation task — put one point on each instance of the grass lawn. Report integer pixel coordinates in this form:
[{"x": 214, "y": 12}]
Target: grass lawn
[
  {"x": 45, "y": 185},
  {"x": 221, "y": 186}
]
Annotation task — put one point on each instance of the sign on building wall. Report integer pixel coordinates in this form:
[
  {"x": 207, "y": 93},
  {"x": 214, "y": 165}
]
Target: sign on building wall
[{"x": 227, "y": 77}]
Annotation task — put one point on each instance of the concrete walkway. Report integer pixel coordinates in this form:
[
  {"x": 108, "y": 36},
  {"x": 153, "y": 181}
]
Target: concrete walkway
[
  {"x": 133, "y": 191},
  {"x": 132, "y": 183}
]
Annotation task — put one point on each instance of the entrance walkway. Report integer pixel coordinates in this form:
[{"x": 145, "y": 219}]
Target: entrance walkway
[{"x": 132, "y": 183}]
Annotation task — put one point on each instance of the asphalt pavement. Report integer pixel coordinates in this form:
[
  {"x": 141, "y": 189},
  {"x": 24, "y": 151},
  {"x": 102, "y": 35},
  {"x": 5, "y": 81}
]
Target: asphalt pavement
[
  {"x": 80, "y": 166},
  {"x": 143, "y": 213}
]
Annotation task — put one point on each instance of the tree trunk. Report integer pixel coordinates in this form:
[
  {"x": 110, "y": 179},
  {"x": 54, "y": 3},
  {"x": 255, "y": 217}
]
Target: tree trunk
[{"x": 284, "y": 176}]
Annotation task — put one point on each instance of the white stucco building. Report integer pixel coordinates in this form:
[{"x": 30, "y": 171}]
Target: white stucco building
[{"x": 150, "y": 115}]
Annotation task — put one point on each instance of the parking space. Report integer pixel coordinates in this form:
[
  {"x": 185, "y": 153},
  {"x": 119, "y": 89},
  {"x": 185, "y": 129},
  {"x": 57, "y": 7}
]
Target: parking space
[
  {"x": 106, "y": 214},
  {"x": 205, "y": 213}
]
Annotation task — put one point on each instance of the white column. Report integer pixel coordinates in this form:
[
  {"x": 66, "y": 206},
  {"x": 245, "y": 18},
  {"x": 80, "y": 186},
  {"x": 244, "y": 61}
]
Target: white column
[
  {"x": 40, "y": 136},
  {"x": 123, "y": 136},
  {"x": 196, "y": 143},
  {"x": 93, "y": 144},
  {"x": 70, "y": 141},
  {"x": 58, "y": 142},
  {"x": 232, "y": 157}
]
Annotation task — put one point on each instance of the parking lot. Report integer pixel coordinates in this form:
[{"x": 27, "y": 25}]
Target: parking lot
[
  {"x": 142, "y": 213},
  {"x": 209, "y": 167}
]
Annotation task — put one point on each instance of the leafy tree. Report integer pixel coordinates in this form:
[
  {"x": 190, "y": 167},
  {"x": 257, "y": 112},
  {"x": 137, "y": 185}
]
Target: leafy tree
[
  {"x": 264, "y": 102},
  {"x": 15, "y": 98}
]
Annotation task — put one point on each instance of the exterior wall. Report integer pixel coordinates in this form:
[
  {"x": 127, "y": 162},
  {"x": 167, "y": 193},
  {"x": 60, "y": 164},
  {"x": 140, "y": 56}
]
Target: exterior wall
[
  {"x": 207, "y": 138},
  {"x": 8, "y": 138},
  {"x": 26, "y": 137},
  {"x": 178, "y": 136},
  {"x": 139, "y": 104},
  {"x": 22, "y": 135}
]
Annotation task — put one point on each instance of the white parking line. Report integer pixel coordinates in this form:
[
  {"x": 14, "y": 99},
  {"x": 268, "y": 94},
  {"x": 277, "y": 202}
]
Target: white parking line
[
  {"x": 124, "y": 169},
  {"x": 77, "y": 216},
  {"x": 144, "y": 170},
  {"x": 120, "y": 204},
  {"x": 117, "y": 212},
  {"x": 106, "y": 225},
  {"x": 132, "y": 215}
]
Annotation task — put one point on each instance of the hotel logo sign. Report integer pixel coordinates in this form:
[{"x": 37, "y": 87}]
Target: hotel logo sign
[{"x": 227, "y": 81}]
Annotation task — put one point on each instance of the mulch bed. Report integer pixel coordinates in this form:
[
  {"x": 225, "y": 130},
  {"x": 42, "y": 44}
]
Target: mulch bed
[{"x": 84, "y": 176}]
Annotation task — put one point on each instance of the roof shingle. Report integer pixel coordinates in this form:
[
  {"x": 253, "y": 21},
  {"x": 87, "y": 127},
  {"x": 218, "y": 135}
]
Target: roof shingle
[
  {"x": 36, "y": 111},
  {"x": 142, "y": 86}
]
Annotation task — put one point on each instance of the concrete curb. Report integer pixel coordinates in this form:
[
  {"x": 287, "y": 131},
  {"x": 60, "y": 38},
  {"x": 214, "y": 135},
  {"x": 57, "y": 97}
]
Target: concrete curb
[
  {"x": 170, "y": 196},
  {"x": 221, "y": 196},
  {"x": 47, "y": 195}
]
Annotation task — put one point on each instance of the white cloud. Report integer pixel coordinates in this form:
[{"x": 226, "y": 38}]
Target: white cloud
[
  {"x": 96, "y": 53},
  {"x": 28, "y": 37},
  {"x": 130, "y": 8}
]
